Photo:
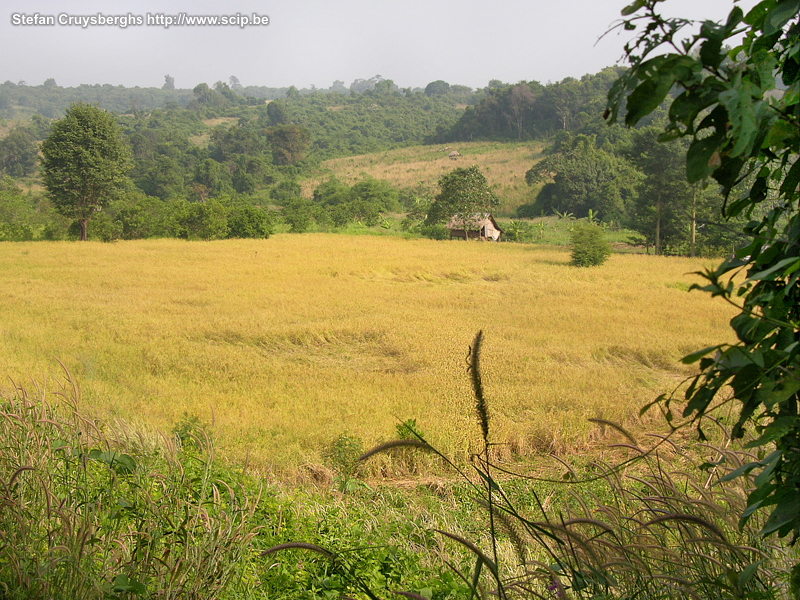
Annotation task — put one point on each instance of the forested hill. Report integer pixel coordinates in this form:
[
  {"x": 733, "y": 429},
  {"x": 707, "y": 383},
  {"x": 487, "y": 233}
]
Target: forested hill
[
  {"x": 19, "y": 100},
  {"x": 371, "y": 114},
  {"x": 530, "y": 110}
]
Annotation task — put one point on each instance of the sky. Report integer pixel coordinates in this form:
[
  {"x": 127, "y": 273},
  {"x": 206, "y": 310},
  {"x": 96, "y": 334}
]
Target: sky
[{"x": 315, "y": 42}]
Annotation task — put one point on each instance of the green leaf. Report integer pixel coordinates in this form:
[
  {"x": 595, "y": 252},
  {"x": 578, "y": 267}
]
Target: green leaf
[
  {"x": 775, "y": 430},
  {"x": 702, "y": 158},
  {"x": 786, "y": 513},
  {"x": 780, "y": 15},
  {"x": 744, "y": 470},
  {"x": 124, "y": 584},
  {"x": 695, "y": 356},
  {"x": 632, "y": 8},
  {"x": 711, "y": 49},
  {"x": 792, "y": 179},
  {"x": 748, "y": 573},
  {"x": 685, "y": 108},
  {"x": 793, "y": 263},
  {"x": 650, "y": 93},
  {"x": 739, "y": 104}
]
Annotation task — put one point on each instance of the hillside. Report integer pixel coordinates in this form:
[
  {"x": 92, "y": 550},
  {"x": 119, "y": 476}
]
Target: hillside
[{"x": 419, "y": 168}]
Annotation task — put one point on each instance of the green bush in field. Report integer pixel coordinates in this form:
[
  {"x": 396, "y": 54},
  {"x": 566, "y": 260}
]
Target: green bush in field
[{"x": 589, "y": 246}]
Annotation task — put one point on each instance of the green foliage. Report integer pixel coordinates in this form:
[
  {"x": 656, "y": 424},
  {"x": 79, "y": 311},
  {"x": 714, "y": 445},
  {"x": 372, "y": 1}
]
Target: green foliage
[
  {"x": 140, "y": 216},
  {"x": 585, "y": 178},
  {"x": 18, "y": 153},
  {"x": 84, "y": 162},
  {"x": 342, "y": 454},
  {"x": 200, "y": 220},
  {"x": 682, "y": 542},
  {"x": 18, "y": 217},
  {"x": 464, "y": 194},
  {"x": 520, "y": 231},
  {"x": 289, "y": 143},
  {"x": 298, "y": 214},
  {"x": 192, "y": 433},
  {"x": 589, "y": 246},
  {"x": 529, "y": 110},
  {"x": 739, "y": 109},
  {"x": 364, "y": 203},
  {"x": 248, "y": 221},
  {"x": 91, "y": 514}
]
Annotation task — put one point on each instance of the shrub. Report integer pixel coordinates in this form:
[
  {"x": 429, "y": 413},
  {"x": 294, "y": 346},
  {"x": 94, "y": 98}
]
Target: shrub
[
  {"x": 247, "y": 221},
  {"x": 589, "y": 247}
]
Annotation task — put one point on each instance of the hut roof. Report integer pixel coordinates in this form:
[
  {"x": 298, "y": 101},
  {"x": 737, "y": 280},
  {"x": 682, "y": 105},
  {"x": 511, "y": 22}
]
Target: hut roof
[{"x": 476, "y": 221}]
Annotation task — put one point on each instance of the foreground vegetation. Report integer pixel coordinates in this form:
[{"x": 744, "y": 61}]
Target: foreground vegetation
[
  {"x": 97, "y": 509},
  {"x": 282, "y": 345}
]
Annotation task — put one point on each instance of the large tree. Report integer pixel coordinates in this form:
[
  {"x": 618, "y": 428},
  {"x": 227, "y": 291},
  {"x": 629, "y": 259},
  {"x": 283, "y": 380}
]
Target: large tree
[
  {"x": 85, "y": 161},
  {"x": 289, "y": 143},
  {"x": 582, "y": 178},
  {"x": 464, "y": 195}
]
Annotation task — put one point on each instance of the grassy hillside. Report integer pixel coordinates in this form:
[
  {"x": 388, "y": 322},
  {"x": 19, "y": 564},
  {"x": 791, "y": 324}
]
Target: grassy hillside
[
  {"x": 504, "y": 165},
  {"x": 286, "y": 343}
]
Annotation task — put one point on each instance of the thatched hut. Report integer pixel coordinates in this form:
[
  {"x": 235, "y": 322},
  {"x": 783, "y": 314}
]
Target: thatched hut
[{"x": 477, "y": 227}]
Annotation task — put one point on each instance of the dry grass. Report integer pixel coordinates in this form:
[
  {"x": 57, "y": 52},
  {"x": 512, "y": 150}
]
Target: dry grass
[
  {"x": 6, "y": 125},
  {"x": 220, "y": 121},
  {"x": 203, "y": 139},
  {"x": 504, "y": 165},
  {"x": 285, "y": 343}
]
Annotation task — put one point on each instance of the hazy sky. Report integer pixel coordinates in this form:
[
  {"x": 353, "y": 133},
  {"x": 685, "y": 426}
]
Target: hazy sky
[{"x": 316, "y": 42}]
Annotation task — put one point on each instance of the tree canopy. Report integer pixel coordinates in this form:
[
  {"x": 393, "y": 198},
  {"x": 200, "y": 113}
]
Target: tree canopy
[
  {"x": 464, "y": 194},
  {"x": 84, "y": 162}
]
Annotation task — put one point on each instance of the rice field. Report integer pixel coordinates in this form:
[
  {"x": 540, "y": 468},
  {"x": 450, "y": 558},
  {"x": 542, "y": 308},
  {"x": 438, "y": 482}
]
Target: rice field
[{"x": 283, "y": 344}]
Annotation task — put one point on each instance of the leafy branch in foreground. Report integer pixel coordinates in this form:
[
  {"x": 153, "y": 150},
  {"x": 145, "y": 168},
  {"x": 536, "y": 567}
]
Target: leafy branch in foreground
[{"x": 740, "y": 108}]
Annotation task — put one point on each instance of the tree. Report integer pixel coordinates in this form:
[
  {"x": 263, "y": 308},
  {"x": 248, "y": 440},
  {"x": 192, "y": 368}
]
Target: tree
[
  {"x": 464, "y": 195},
  {"x": 18, "y": 153},
  {"x": 289, "y": 143},
  {"x": 437, "y": 88},
  {"x": 740, "y": 109},
  {"x": 169, "y": 83},
  {"x": 85, "y": 161},
  {"x": 584, "y": 178},
  {"x": 663, "y": 207},
  {"x": 520, "y": 101},
  {"x": 277, "y": 113}
]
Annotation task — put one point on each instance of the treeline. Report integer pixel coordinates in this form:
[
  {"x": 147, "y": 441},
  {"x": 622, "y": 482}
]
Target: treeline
[
  {"x": 29, "y": 215},
  {"x": 636, "y": 182},
  {"x": 19, "y": 100},
  {"x": 223, "y": 150},
  {"x": 530, "y": 110}
]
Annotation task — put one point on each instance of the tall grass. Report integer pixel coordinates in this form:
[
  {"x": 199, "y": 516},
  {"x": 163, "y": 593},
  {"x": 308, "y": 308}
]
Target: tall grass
[
  {"x": 284, "y": 344},
  {"x": 88, "y": 511},
  {"x": 649, "y": 527},
  {"x": 97, "y": 510}
]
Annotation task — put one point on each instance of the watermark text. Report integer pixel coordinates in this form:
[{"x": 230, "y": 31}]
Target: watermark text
[{"x": 164, "y": 20}]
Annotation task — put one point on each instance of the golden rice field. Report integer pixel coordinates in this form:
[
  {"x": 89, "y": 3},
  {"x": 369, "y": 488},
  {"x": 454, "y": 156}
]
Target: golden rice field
[
  {"x": 285, "y": 343},
  {"x": 503, "y": 164}
]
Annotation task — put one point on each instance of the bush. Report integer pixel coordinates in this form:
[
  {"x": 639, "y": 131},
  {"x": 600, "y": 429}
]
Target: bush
[
  {"x": 589, "y": 246},
  {"x": 435, "y": 232},
  {"x": 247, "y": 221}
]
